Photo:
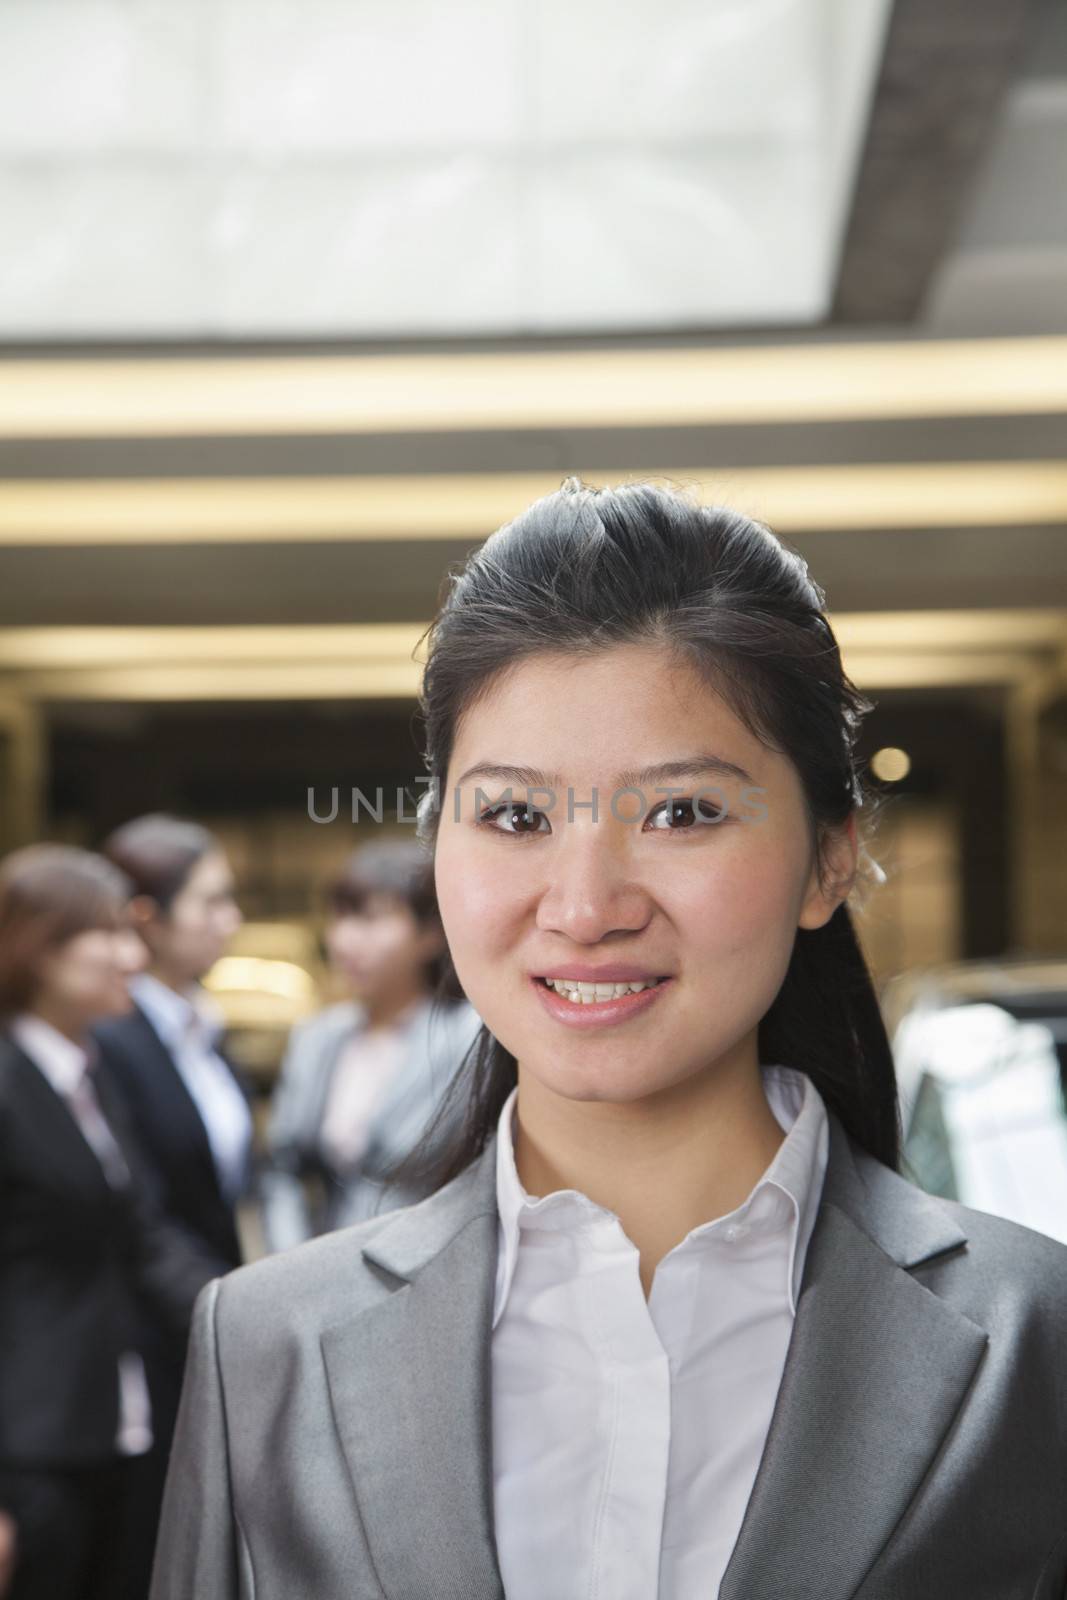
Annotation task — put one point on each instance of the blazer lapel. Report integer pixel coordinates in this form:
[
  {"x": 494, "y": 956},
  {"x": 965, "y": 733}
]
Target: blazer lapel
[
  {"x": 67, "y": 1155},
  {"x": 409, "y": 1382},
  {"x": 876, "y": 1371},
  {"x": 167, "y": 1098}
]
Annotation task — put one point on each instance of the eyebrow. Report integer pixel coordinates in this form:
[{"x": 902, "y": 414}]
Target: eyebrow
[{"x": 632, "y": 778}]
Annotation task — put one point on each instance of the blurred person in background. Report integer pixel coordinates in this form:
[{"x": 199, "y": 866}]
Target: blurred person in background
[
  {"x": 186, "y": 1104},
  {"x": 81, "y": 1244},
  {"x": 361, "y": 1080}
]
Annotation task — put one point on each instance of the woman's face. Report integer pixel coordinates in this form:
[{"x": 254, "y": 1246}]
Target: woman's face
[
  {"x": 382, "y": 948},
  {"x": 85, "y": 979},
  {"x": 654, "y": 889},
  {"x": 200, "y": 922}
]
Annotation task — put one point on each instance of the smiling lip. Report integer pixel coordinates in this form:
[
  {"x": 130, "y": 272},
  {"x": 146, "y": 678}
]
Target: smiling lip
[
  {"x": 620, "y": 972},
  {"x": 599, "y": 1013}
]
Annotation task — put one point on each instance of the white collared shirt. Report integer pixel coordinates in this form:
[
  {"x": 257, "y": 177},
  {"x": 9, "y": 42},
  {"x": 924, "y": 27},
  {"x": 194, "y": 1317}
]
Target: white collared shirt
[
  {"x": 66, "y": 1067},
  {"x": 627, "y": 1433},
  {"x": 190, "y": 1030},
  {"x": 368, "y": 1064}
]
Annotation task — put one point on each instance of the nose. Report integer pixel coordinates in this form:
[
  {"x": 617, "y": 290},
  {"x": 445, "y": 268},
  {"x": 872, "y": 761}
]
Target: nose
[{"x": 590, "y": 890}]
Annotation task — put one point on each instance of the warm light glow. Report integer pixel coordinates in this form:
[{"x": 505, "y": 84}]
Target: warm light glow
[
  {"x": 53, "y": 648},
  {"x": 259, "y": 975},
  {"x": 468, "y": 507},
  {"x": 530, "y": 389},
  {"x": 890, "y": 765}
]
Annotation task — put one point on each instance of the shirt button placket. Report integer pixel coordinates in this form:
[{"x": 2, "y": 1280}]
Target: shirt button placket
[{"x": 630, "y": 1521}]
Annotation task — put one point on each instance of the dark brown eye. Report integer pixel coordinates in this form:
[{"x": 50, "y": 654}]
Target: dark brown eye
[
  {"x": 679, "y": 815},
  {"x": 523, "y": 819}
]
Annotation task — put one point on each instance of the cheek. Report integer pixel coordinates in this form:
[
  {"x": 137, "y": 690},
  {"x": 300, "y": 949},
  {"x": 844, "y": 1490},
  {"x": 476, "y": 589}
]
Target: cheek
[
  {"x": 342, "y": 942},
  {"x": 745, "y": 906},
  {"x": 202, "y": 933},
  {"x": 398, "y": 943},
  {"x": 91, "y": 971},
  {"x": 479, "y": 901}
]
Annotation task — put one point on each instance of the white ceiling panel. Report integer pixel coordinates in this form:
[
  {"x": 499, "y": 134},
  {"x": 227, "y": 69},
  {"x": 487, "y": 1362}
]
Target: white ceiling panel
[{"x": 242, "y": 168}]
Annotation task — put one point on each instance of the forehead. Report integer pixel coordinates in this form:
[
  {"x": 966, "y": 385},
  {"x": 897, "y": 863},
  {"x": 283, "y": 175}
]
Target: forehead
[
  {"x": 212, "y": 871},
  {"x": 374, "y": 903},
  {"x": 585, "y": 714}
]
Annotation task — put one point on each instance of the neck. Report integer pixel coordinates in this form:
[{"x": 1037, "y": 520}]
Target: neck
[
  {"x": 180, "y": 982},
  {"x": 72, "y": 1028},
  {"x": 664, "y": 1163},
  {"x": 383, "y": 1010}
]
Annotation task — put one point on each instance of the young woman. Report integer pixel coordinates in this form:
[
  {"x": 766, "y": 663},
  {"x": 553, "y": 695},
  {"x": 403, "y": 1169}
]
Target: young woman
[
  {"x": 674, "y": 1325},
  {"x": 81, "y": 1248},
  {"x": 362, "y": 1079}
]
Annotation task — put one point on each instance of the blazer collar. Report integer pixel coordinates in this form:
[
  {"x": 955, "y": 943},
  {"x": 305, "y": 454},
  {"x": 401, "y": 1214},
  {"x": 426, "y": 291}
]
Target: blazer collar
[{"x": 876, "y": 1370}]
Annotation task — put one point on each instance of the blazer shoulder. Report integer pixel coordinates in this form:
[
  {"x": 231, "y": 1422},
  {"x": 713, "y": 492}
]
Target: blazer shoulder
[
  {"x": 297, "y": 1294},
  {"x": 126, "y": 1034},
  {"x": 997, "y": 1272},
  {"x": 1007, "y": 1276},
  {"x": 461, "y": 1023},
  {"x": 11, "y": 1068},
  {"x": 312, "y": 1033},
  {"x": 304, "y": 1288},
  {"x": 1010, "y": 1246}
]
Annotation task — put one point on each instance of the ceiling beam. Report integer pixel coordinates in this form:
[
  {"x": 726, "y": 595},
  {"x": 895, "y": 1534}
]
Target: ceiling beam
[{"x": 945, "y": 69}]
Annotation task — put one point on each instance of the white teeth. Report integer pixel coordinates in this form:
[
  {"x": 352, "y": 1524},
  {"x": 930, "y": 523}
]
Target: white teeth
[{"x": 582, "y": 993}]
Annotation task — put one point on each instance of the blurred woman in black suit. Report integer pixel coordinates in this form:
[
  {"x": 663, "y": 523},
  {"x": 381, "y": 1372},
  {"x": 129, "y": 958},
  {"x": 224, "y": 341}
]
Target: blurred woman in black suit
[
  {"x": 186, "y": 1105},
  {"x": 81, "y": 1245}
]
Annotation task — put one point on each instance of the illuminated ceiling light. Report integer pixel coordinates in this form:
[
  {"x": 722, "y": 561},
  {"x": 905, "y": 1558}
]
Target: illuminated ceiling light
[
  {"x": 468, "y": 507},
  {"x": 447, "y": 392}
]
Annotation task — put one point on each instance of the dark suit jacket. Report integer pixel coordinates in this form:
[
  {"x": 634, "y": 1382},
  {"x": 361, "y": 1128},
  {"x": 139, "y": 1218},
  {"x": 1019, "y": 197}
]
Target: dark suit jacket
[
  {"x": 178, "y": 1162},
  {"x": 75, "y": 1256},
  {"x": 335, "y": 1432},
  {"x": 169, "y": 1129}
]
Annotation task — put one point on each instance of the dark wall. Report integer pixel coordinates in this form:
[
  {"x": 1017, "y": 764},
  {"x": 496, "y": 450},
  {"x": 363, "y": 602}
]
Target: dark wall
[{"x": 957, "y": 749}]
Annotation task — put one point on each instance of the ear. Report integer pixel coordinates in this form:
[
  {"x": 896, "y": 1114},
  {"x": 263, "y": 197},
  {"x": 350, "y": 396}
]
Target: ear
[
  {"x": 143, "y": 910},
  {"x": 840, "y": 863}
]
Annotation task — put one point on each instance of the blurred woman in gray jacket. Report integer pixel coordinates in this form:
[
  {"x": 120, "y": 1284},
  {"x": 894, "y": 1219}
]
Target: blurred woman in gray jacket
[{"x": 361, "y": 1080}]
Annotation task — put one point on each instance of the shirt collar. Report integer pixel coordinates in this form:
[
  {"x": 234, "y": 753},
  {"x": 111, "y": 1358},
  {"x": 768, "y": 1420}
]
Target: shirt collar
[
  {"x": 172, "y": 1014},
  {"x": 63, "y": 1062},
  {"x": 786, "y": 1196}
]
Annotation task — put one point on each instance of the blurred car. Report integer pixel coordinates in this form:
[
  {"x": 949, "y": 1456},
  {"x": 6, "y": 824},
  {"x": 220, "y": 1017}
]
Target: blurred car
[{"x": 981, "y": 1055}]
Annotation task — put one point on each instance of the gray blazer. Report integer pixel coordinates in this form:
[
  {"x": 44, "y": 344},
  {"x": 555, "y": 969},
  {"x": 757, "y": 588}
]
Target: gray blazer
[
  {"x": 334, "y": 1436},
  {"x": 438, "y": 1040}
]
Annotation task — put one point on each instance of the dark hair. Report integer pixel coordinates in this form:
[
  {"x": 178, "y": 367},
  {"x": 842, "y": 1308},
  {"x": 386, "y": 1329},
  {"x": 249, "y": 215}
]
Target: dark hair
[
  {"x": 50, "y": 893},
  {"x": 584, "y": 569},
  {"x": 157, "y": 853},
  {"x": 402, "y": 869}
]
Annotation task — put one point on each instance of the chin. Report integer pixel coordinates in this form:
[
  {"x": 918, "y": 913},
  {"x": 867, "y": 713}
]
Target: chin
[
  {"x": 120, "y": 1006},
  {"x": 592, "y": 1080}
]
